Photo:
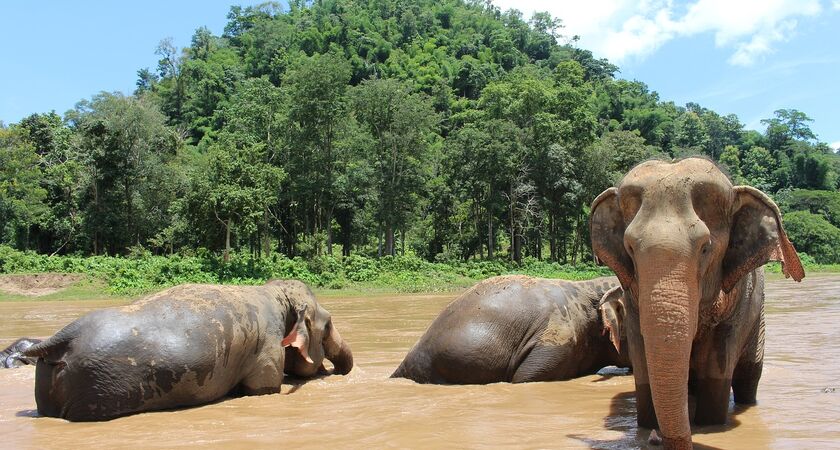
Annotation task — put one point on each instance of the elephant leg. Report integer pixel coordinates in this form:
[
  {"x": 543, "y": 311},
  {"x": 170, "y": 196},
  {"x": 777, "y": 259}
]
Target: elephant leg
[
  {"x": 712, "y": 400},
  {"x": 745, "y": 382},
  {"x": 748, "y": 371},
  {"x": 545, "y": 363},
  {"x": 645, "y": 412},
  {"x": 266, "y": 378},
  {"x": 711, "y": 377}
]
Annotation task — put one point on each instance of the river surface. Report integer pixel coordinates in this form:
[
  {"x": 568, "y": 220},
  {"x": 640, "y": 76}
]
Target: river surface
[{"x": 799, "y": 394}]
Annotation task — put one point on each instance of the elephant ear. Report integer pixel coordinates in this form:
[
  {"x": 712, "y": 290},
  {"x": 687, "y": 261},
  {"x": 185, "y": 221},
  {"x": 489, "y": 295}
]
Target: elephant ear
[
  {"x": 756, "y": 237},
  {"x": 606, "y": 228},
  {"x": 611, "y": 308},
  {"x": 298, "y": 337}
]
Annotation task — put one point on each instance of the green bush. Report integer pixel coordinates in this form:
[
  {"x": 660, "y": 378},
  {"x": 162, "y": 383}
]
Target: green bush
[
  {"x": 142, "y": 272},
  {"x": 814, "y": 235},
  {"x": 824, "y": 203}
]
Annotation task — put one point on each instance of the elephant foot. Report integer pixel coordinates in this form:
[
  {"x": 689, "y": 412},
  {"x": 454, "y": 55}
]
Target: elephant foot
[
  {"x": 676, "y": 443},
  {"x": 712, "y": 395}
]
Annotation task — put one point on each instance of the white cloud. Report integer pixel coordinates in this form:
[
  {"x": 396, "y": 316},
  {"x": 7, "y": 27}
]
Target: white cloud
[
  {"x": 835, "y": 4},
  {"x": 748, "y": 53},
  {"x": 835, "y": 146},
  {"x": 620, "y": 29}
]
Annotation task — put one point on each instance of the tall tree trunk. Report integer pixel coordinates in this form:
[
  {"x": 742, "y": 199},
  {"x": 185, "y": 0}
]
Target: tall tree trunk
[
  {"x": 328, "y": 225},
  {"x": 266, "y": 236},
  {"x": 477, "y": 215},
  {"x": 389, "y": 239},
  {"x": 98, "y": 214},
  {"x": 226, "y": 257},
  {"x": 490, "y": 237},
  {"x": 379, "y": 242},
  {"x": 552, "y": 239},
  {"x": 129, "y": 216}
]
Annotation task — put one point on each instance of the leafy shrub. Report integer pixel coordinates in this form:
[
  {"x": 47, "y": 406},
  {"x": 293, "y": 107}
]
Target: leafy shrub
[
  {"x": 814, "y": 235},
  {"x": 142, "y": 272}
]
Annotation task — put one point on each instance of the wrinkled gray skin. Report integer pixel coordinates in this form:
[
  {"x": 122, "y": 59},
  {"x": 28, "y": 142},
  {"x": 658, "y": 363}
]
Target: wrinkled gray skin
[
  {"x": 187, "y": 345},
  {"x": 516, "y": 329},
  {"x": 11, "y": 356}
]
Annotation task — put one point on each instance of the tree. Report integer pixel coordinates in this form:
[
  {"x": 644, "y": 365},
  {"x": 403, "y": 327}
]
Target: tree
[
  {"x": 813, "y": 235},
  {"x": 316, "y": 88},
  {"x": 625, "y": 149},
  {"x": 21, "y": 196},
  {"x": 486, "y": 161},
  {"x": 401, "y": 124},
  {"x": 63, "y": 180},
  {"x": 123, "y": 146},
  {"x": 732, "y": 162},
  {"x": 757, "y": 167},
  {"x": 235, "y": 187},
  {"x": 691, "y": 132},
  {"x": 785, "y": 126}
]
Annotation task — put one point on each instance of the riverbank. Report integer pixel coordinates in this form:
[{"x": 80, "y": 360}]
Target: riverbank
[
  {"x": 139, "y": 274},
  {"x": 367, "y": 409},
  {"x": 102, "y": 277}
]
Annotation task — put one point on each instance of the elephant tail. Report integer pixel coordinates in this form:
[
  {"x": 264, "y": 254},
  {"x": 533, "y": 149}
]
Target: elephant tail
[{"x": 55, "y": 344}]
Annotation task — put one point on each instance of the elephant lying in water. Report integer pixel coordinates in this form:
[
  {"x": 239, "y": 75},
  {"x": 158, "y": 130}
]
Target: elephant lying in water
[
  {"x": 520, "y": 329},
  {"x": 187, "y": 345},
  {"x": 11, "y": 356}
]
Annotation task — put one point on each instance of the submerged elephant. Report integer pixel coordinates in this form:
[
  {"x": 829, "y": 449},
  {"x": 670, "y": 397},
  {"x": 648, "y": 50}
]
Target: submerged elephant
[
  {"x": 688, "y": 247},
  {"x": 519, "y": 329},
  {"x": 187, "y": 345},
  {"x": 12, "y": 356}
]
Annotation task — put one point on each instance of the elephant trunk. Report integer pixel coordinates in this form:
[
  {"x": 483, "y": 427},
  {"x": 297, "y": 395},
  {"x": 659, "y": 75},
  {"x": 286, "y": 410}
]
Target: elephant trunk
[
  {"x": 338, "y": 352},
  {"x": 668, "y": 322}
]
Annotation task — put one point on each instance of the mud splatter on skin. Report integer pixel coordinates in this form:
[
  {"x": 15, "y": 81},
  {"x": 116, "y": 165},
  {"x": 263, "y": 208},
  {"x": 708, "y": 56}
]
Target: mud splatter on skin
[
  {"x": 514, "y": 328},
  {"x": 187, "y": 345},
  {"x": 370, "y": 410}
]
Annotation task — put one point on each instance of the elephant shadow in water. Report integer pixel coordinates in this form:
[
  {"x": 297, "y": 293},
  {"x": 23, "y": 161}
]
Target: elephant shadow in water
[{"x": 622, "y": 418}]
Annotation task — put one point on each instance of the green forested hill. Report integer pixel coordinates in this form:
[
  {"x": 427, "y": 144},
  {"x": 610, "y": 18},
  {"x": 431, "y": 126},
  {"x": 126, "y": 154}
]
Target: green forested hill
[{"x": 446, "y": 129}]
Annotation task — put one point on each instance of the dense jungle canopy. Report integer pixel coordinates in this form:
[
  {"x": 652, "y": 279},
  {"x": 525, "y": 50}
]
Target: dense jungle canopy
[{"x": 446, "y": 129}]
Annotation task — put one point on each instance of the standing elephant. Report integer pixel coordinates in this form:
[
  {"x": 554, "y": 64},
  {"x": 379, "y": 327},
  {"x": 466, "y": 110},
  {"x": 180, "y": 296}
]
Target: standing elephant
[
  {"x": 187, "y": 345},
  {"x": 688, "y": 247},
  {"x": 518, "y": 329},
  {"x": 11, "y": 356}
]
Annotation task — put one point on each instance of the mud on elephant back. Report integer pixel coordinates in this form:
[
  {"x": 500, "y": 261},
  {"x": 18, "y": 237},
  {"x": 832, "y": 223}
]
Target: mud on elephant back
[
  {"x": 519, "y": 329},
  {"x": 187, "y": 345},
  {"x": 687, "y": 247}
]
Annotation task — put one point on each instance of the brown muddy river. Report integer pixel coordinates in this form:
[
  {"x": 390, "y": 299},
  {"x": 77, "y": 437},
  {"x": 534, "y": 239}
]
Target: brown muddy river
[{"x": 799, "y": 395}]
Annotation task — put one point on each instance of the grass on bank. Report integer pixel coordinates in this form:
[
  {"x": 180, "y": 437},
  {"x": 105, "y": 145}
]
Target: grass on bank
[
  {"x": 109, "y": 276},
  {"x": 138, "y": 274}
]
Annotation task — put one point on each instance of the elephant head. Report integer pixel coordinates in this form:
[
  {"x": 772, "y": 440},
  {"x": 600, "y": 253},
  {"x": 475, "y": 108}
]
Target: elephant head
[
  {"x": 312, "y": 338},
  {"x": 679, "y": 236}
]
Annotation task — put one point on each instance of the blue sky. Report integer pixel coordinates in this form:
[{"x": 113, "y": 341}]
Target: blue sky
[
  {"x": 748, "y": 57},
  {"x": 57, "y": 52}
]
